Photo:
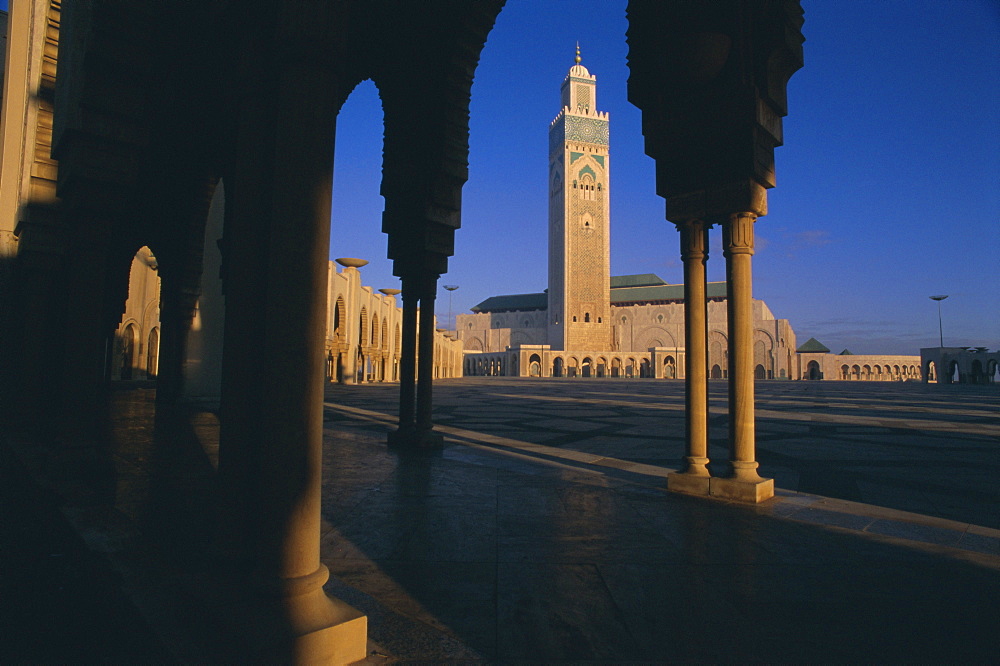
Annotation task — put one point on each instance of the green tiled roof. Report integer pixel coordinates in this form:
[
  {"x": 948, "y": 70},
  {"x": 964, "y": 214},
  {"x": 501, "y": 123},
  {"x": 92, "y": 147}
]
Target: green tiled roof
[
  {"x": 663, "y": 292},
  {"x": 625, "y": 290},
  {"x": 813, "y": 346},
  {"x": 513, "y": 302},
  {"x": 846, "y": 352},
  {"x": 641, "y": 280}
]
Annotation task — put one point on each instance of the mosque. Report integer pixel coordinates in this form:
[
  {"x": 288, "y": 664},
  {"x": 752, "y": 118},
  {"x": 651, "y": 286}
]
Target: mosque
[{"x": 589, "y": 323}]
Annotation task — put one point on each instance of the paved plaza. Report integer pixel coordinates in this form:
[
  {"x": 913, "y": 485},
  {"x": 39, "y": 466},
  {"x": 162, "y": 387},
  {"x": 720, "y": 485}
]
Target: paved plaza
[{"x": 541, "y": 531}]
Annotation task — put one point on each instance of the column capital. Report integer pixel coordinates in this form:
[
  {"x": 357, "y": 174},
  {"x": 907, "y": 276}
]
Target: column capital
[
  {"x": 694, "y": 238},
  {"x": 737, "y": 234}
]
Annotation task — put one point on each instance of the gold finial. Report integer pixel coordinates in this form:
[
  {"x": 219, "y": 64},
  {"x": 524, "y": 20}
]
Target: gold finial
[{"x": 578, "y": 53}]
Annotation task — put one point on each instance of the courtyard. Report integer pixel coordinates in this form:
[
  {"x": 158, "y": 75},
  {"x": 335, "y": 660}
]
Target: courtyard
[{"x": 541, "y": 532}]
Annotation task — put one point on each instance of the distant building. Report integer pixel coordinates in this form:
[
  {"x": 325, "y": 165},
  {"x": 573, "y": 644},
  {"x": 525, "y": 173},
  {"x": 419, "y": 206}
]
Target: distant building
[
  {"x": 364, "y": 329},
  {"x": 814, "y": 361},
  {"x": 960, "y": 365},
  {"x": 589, "y": 323}
]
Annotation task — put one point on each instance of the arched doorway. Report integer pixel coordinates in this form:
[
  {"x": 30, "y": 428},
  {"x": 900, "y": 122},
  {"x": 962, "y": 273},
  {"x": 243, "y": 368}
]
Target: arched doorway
[
  {"x": 977, "y": 376},
  {"x": 812, "y": 370},
  {"x": 669, "y": 368},
  {"x": 616, "y": 367},
  {"x": 153, "y": 353},
  {"x": 557, "y": 367},
  {"x": 644, "y": 368},
  {"x": 759, "y": 372},
  {"x": 602, "y": 367},
  {"x": 127, "y": 355},
  {"x": 716, "y": 372},
  {"x": 587, "y": 367},
  {"x": 535, "y": 366}
]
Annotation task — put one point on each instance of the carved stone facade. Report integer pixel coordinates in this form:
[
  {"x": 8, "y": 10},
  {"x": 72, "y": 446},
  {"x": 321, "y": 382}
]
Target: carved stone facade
[{"x": 364, "y": 332}]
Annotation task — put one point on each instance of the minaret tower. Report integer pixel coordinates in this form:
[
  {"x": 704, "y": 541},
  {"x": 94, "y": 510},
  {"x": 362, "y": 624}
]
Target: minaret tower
[{"x": 579, "y": 260}]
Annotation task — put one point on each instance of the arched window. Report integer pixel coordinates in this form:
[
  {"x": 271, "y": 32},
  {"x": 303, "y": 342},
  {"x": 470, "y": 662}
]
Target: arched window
[{"x": 586, "y": 317}]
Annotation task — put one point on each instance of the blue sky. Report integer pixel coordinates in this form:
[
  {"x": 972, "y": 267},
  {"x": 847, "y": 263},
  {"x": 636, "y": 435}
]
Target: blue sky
[{"x": 888, "y": 183}]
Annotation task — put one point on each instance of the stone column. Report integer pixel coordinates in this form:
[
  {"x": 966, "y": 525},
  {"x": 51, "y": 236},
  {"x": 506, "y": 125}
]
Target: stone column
[
  {"x": 744, "y": 483},
  {"x": 694, "y": 477},
  {"x": 425, "y": 370},
  {"x": 407, "y": 364},
  {"x": 279, "y": 229}
]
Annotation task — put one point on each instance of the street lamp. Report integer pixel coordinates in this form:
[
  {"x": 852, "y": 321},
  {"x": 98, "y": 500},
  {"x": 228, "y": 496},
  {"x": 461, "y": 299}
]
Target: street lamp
[
  {"x": 451, "y": 288},
  {"x": 940, "y": 328}
]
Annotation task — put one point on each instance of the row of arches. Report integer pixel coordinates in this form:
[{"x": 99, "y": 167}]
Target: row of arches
[
  {"x": 976, "y": 372},
  {"x": 136, "y": 356},
  {"x": 877, "y": 373}
]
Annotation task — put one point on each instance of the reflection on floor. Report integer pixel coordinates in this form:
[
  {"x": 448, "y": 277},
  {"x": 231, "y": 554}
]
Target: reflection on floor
[{"x": 541, "y": 531}]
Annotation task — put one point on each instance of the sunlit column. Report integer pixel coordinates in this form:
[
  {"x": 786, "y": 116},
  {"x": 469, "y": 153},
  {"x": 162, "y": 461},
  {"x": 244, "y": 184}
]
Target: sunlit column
[
  {"x": 738, "y": 247},
  {"x": 425, "y": 360},
  {"x": 694, "y": 254},
  {"x": 280, "y": 422},
  {"x": 407, "y": 361}
]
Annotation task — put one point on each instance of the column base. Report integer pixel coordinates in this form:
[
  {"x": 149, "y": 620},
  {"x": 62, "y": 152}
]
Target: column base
[
  {"x": 311, "y": 627},
  {"x": 689, "y": 484},
  {"x": 752, "y": 492},
  {"x": 343, "y": 640}
]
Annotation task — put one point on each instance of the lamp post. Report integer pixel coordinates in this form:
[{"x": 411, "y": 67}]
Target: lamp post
[
  {"x": 940, "y": 298},
  {"x": 451, "y": 288}
]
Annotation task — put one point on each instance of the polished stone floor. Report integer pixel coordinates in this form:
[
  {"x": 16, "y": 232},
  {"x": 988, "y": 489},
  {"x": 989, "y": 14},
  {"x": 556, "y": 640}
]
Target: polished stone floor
[{"x": 541, "y": 532}]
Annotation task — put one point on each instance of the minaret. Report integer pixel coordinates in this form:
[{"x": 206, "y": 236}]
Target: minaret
[{"x": 579, "y": 260}]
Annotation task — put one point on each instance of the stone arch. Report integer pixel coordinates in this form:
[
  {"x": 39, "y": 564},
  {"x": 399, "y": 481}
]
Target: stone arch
[
  {"x": 718, "y": 354},
  {"x": 573, "y": 367},
  {"x": 364, "y": 335},
  {"x": 535, "y": 365},
  {"x": 856, "y": 371},
  {"x": 655, "y": 336},
  {"x": 644, "y": 368},
  {"x": 558, "y": 366},
  {"x": 128, "y": 345},
  {"x": 669, "y": 368},
  {"x": 844, "y": 372},
  {"x": 602, "y": 367},
  {"x": 930, "y": 371},
  {"x": 153, "y": 353},
  {"x": 616, "y": 367},
  {"x": 475, "y": 344},
  {"x": 630, "y": 369},
  {"x": 813, "y": 371},
  {"x": 587, "y": 367},
  {"x": 339, "y": 318},
  {"x": 763, "y": 352},
  {"x": 866, "y": 372},
  {"x": 519, "y": 338},
  {"x": 977, "y": 375},
  {"x": 759, "y": 372}
]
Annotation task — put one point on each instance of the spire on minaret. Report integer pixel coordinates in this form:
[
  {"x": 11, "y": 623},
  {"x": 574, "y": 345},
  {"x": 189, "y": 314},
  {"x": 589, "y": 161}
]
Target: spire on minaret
[{"x": 578, "y": 52}]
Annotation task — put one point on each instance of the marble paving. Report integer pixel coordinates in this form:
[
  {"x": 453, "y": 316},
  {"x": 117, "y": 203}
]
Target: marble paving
[
  {"x": 546, "y": 535},
  {"x": 541, "y": 532}
]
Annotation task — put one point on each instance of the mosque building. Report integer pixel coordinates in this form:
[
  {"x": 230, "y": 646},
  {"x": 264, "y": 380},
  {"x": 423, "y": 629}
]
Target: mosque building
[{"x": 589, "y": 323}]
